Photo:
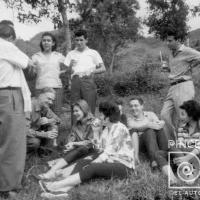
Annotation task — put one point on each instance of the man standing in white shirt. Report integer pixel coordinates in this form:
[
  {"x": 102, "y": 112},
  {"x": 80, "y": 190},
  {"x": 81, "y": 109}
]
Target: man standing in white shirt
[
  {"x": 14, "y": 102},
  {"x": 84, "y": 62}
]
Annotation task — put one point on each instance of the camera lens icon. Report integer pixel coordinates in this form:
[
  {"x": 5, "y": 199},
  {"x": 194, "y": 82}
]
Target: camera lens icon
[{"x": 187, "y": 171}]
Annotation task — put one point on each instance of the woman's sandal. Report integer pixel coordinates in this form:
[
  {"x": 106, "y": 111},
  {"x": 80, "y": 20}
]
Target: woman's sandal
[{"x": 50, "y": 193}]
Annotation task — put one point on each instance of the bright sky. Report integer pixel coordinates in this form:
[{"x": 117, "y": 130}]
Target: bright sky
[{"x": 26, "y": 31}]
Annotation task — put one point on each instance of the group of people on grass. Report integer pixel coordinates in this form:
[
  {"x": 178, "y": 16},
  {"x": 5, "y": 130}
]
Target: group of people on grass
[{"x": 99, "y": 146}]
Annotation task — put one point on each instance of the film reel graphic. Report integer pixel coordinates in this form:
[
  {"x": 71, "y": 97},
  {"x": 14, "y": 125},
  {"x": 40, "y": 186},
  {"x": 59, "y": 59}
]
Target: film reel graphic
[{"x": 188, "y": 172}]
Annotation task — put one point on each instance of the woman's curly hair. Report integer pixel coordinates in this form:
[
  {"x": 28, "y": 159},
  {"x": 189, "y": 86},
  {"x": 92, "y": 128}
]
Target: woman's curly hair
[{"x": 192, "y": 108}]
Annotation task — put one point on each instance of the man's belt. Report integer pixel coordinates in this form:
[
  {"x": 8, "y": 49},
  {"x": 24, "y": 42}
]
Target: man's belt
[
  {"x": 82, "y": 76},
  {"x": 10, "y": 88},
  {"x": 178, "y": 81}
]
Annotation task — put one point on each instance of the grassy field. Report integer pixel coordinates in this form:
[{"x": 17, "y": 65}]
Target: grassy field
[{"x": 144, "y": 185}]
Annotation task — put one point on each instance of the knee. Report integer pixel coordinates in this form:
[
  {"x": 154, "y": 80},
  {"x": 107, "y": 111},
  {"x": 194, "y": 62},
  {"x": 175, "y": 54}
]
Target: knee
[{"x": 165, "y": 115}]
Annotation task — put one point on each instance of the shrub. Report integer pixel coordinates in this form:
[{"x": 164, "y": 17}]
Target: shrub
[{"x": 146, "y": 79}]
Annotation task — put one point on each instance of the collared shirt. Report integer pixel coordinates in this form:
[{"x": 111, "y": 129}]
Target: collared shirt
[
  {"x": 48, "y": 69},
  {"x": 82, "y": 130},
  {"x": 12, "y": 61},
  {"x": 147, "y": 116},
  {"x": 117, "y": 145},
  {"x": 181, "y": 62},
  {"x": 33, "y": 121},
  {"x": 87, "y": 61}
]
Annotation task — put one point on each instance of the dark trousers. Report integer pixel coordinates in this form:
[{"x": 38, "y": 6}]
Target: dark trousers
[
  {"x": 12, "y": 139},
  {"x": 84, "y": 88},
  {"x": 77, "y": 153},
  {"x": 104, "y": 170},
  {"x": 152, "y": 141}
]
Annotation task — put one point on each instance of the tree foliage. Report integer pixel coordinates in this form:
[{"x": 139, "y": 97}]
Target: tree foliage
[
  {"x": 168, "y": 16},
  {"x": 110, "y": 23},
  {"x": 196, "y": 10}
]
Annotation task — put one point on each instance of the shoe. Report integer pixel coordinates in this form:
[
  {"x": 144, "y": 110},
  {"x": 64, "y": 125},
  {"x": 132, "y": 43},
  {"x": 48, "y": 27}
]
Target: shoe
[
  {"x": 51, "y": 194},
  {"x": 48, "y": 195}
]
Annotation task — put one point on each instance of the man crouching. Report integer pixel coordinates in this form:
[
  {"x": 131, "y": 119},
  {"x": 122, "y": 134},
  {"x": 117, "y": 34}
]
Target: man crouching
[{"x": 42, "y": 122}]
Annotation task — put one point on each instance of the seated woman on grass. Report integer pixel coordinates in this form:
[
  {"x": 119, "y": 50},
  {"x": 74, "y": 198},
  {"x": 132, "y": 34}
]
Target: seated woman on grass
[
  {"x": 189, "y": 132},
  {"x": 80, "y": 140},
  {"x": 116, "y": 157}
]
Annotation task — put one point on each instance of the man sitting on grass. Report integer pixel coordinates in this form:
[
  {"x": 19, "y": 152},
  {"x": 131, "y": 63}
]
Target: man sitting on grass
[
  {"x": 146, "y": 130},
  {"x": 42, "y": 123}
]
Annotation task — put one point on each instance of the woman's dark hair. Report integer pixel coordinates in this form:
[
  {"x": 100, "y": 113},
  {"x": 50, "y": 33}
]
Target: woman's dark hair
[
  {"x": 110, "y": 110},
  {"x": 80, "y": 33},
  {"x": 53, "y": 39},
  {"x": 192, "y": 108},
  {"x": 7, "y": 31}
]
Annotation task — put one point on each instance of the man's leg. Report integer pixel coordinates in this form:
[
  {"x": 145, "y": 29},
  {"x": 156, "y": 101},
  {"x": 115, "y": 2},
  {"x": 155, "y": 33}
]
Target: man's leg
[
  {"x": 89, "y": 92},
  {"x": 150, "y": 143},
  {"x": 167, "y": 115},
  {"x": 33, "y": 144},
  {"x": 182, "y": 92}
]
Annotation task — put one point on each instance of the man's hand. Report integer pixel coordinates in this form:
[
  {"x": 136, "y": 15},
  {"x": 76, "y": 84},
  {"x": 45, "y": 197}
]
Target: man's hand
[
  {"x": 73, "y": 63},
  {"x": 156, "y": 125},
  {"x": 31, "y": 63},
  {"x": 43, "y": 121},
  {"x": 52, "y": 134}
]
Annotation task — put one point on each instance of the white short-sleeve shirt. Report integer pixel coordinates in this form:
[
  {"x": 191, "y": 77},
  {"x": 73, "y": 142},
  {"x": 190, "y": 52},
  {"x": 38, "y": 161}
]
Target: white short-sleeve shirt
[
  {"x": 86, "y": 61},
  {"x": 48, "y": 69},
  {"x": 12, "y": 61}
]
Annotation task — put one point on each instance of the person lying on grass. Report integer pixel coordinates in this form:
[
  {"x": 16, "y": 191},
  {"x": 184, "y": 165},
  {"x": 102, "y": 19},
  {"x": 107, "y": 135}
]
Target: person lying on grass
[
  {"x": 115, "y": 160},
  {"x": 188, "y": 135},
  {"x": 80, "y": 141}
]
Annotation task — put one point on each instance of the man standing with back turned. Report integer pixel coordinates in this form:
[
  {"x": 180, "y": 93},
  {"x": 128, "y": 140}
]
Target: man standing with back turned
[
  {"x": 14, "y": 102},
  {"x": 84, "y": 62},
  {"x": 182, "y": 88}
]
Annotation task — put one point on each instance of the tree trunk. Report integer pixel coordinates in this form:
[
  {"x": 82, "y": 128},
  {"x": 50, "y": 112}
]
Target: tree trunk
[
  {"x": 112, "y": 63},
  {"x": 63, "y": 11}
]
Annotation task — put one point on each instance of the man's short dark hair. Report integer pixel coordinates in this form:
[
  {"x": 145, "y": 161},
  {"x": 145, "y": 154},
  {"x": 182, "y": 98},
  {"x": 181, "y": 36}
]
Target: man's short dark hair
[
  {"x": 110, "y": 110},
  {"x": 7, "y": 31},
  {"x": 80, "y": 33},
  {"x": 177, "y": 35},
  {"x": 53, "y": 39},
  {"x": 7, "y": 22},
  {"x": 139, "y": 99}
]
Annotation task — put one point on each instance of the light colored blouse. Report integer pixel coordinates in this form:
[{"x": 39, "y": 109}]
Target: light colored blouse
[
  {"x": 117, "y": 145},
  {"x": 48, "y": 69}
]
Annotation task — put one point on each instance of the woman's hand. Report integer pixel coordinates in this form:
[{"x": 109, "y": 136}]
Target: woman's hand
[
  {"x": 69, "y": 146},
  {"x": 180, "y": 160}
]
